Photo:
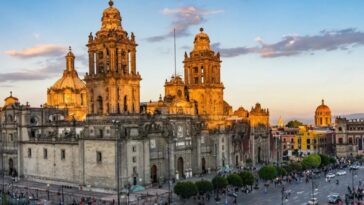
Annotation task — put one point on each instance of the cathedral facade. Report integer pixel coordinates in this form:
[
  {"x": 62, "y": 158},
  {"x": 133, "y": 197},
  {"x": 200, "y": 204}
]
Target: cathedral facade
[{"x": 95, "y": 132}]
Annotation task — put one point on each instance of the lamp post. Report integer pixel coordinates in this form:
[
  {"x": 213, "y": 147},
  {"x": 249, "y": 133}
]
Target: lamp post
[
  {"x": 116, "y": 125},
  {"x": 353, "y": 174}
]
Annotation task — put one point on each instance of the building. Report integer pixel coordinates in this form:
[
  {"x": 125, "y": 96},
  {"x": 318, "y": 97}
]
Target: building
[
  {"x": 69, "y": 92},
  {"x": 349, "y": 137},
  {"x": 191, "y": 130},
  {"x": 323, "y": 115}
]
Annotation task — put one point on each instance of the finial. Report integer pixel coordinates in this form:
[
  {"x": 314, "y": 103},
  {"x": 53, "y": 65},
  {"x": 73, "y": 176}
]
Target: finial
[
  {"x": 322, "y": 101},
  {"x": 11, "y": 93},
  {"x": 201, "y": 29},
  {"x": 69, "y": 48},
  {"x": 111, "y": 3}
]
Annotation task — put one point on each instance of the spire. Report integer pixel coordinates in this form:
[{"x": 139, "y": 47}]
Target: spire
[
  {"x": 322, "y": 102},
  {"x": 11, "y": 93},
  {"x": 111, "y": 3},
  {"x": 70, "y": 60}
]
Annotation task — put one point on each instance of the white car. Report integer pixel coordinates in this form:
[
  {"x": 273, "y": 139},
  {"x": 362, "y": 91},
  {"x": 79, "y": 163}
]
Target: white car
[
  {"x": 330, "y": 175},
  {"x": 313, "y": 201},
  {"x": 341, "y": 172}
]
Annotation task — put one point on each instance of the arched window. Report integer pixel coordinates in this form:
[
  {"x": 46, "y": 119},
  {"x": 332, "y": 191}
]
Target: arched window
[
  {"x": 125, "y": 103},
  {"x": 100, "y": 104}
]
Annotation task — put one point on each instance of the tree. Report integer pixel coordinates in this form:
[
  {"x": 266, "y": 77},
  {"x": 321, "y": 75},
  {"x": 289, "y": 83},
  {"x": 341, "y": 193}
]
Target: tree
[
  {"x": 235, "y": 180},
  {"x": 204, "y": 186},
  {"x": 185, "y": 189},
  {"x": 219, "y": 182},
  {"x": 296, "y": 166},
  {"x": 247, "y": 177},
  {"x": 294, "y": 124},
  {"x": 312, "y": 161},
  {"x": 325, "y": 160},
  {"x": 281, "y": 171},
  {"x": 267, "y": 172}
]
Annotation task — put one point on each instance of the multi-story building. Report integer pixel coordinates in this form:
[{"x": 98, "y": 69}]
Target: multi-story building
[
  {"x": 190, "y": 131},
  {"x": 349, "y": 137}
]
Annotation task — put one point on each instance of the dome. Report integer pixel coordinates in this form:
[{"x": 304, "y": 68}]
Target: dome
[
  {"x": 111, "y": 18},
  {"x": 69, "y": 80},
  {"x": 202, "y": 41},
  {"x": 323, "y": 108},
  {"x": 10, "y": 100}
]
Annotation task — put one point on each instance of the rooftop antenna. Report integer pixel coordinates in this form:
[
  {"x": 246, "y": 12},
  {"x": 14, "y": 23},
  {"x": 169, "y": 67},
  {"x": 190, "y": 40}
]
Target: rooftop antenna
[{"x": 174, "y": 39}]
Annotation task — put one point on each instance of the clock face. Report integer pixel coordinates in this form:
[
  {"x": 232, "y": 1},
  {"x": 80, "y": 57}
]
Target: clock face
[{"x": 179, "y": 131}]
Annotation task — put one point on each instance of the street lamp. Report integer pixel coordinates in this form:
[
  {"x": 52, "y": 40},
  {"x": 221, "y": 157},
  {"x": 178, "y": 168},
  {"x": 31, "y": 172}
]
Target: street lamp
[
  {"x": 353, "y": 174},
  {"x": 116, "y": 125}
]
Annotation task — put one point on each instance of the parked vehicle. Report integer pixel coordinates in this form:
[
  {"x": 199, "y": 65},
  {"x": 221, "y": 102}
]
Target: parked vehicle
[
  {"x": 341, "y": 172},
  {"x": 330, "y": 175},
  {"x": 334, "y": 198},
  {"x": 312, "y": 201}
]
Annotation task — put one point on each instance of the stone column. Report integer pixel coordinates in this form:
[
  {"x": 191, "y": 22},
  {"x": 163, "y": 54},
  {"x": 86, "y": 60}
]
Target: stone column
[
  {"x": 133, "y": 62},
  {"x": 112, "y": 59},
  {"x": 91, "y": 60},
  {"x": 119, "y": 60},
  {"x": 97, "y": 62}
]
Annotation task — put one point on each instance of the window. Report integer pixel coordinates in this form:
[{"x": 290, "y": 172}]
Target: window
[
  {"x": 223, "y": 147},
  {"x": 99, "y": 157},
  {"x": 134, "y": 159},
  {"x": 308, "y": 141},
  {"x": 135, "y": 170},
  {"x": 134, "y": 149},
  {"x": 29, "y": 152},
  {"x": 196, "y": 80},
  {"x": 45, "y": 153},
  {"x": 222, "y": 139},
  {"x": 308, "y": 147},
  {"x": 340, "y": 140},
  {"x": 195, "y": 69},
  {"x": 63, "y": 154},
  {"x": 350, "y": 140}
]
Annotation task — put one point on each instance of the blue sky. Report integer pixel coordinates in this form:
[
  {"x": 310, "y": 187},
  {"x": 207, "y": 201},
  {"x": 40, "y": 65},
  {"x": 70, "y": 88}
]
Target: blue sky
[{"x": 285, "y": 54}]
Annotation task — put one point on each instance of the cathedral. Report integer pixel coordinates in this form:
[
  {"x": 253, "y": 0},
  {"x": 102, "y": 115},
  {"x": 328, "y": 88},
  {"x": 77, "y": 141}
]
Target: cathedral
[{"x": 95, "y": 132}]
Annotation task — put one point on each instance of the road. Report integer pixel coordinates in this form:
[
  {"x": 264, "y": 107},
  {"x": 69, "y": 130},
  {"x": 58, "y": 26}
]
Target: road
[{"x": 301, "y": 192}]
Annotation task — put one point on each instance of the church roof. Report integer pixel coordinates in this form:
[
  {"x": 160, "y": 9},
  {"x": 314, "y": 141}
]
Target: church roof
[{"x": 323, "y": 107}]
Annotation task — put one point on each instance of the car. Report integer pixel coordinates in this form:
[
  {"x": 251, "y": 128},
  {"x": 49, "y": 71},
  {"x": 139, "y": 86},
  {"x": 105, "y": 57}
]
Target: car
[
  {"x": 232, "y": 194},
  {"x": 354, "y": 167},
  {"x": 334, "y": 198},
  {"x": 330, "y": 175},
  {"x": 340, "y": 172},
  {"x": 312, "y": 201}
]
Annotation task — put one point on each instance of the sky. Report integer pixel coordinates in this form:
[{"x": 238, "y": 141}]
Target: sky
[{"x": 285, "y": 54}]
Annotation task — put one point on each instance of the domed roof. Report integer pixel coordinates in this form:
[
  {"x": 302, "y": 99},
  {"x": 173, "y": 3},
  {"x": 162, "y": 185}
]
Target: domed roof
[
  {"x": 69, "y": 80},
  {"x": 111, "y": 18},
  {"x": 323, "y": 107},
  {"x": 70, "y": 77},
  {"x": 10, "y": 100},
  {"x": 202, "y": 41}
]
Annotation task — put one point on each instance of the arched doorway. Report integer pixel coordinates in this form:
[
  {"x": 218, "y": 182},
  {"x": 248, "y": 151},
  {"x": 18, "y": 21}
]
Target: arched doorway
[
  {"x": 203, "y": 164},
  {"x": 153, "y": 174},
  {"x": 180, "y": 167},
  {"x": 12, "y": 170},
  {"x": 259, "y": 152}
]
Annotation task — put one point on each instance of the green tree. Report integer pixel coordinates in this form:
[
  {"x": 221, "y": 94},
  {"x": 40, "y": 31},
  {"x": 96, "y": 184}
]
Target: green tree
[
  {"x": 281, "y": 171},
  {"x": 235, "y": 180},
  {"x": 247, "y": 177},
  {"x": 268, "y": 172},
  {"x": 325, "y": 160},
  {"x": 294, "y": 124},
  {"x": 296, "y": 166},
  {"x": 312, "y": 161},
  {"x": 204, "y": 186},
  {"x": 288, "y": 168},
  {"x": 185, "y": 189},
  {"x": 219, "y": 182}
]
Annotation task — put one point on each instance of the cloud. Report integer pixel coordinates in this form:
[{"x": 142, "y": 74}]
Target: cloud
[
  {"x": 183, "y": 19},
  {"x": 48, "y": 69},
  {"x": 292, "y": 45},
  {"x": 36, "y": 51}
]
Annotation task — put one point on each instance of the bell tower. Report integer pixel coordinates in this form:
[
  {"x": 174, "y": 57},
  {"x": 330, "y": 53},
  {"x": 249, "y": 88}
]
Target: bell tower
[
  {"x": 112, "y": 82},
  {"x": 202, "y": 77}
]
